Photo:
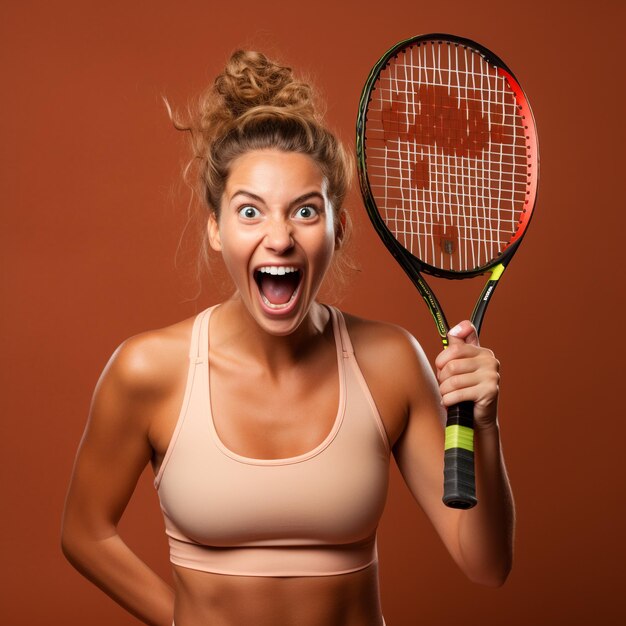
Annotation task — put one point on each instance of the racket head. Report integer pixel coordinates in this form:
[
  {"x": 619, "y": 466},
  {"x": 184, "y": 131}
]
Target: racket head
[{"x": 447, "y": 156}]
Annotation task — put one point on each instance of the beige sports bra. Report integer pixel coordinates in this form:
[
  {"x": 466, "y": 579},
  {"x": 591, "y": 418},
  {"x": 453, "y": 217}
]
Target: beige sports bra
[{"x": 314, "y": 514}]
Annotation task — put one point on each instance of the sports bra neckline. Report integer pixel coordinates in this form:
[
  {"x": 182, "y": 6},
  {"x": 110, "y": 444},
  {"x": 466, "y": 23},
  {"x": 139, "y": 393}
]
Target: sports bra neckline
[{"x": 299, "y": 458}]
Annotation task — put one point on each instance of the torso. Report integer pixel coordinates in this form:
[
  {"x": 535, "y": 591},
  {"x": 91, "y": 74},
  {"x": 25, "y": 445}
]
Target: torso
[
  {"x": 371, "y": 361},
  {"x": 251, "y": 403},
  {"x": 347, "y": 600}
]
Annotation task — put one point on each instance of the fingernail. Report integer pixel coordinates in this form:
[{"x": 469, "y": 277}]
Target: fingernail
[{"x": 456, "y": 331}]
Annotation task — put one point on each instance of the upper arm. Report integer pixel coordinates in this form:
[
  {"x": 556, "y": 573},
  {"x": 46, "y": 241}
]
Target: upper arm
[
  {"x": 419, "y": 449},
  {"x": 407, "y": 394},
  {"x": 115, "y": 446}
]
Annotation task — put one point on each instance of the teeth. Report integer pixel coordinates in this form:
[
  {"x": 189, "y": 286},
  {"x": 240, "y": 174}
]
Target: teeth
[{"x": 277, "y": 270}]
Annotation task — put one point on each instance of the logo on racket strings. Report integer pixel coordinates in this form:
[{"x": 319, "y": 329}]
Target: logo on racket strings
[{"x": 441, "y": 117}]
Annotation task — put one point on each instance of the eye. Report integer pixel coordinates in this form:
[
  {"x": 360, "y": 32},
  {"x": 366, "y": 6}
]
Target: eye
[
  {"x": 306, "y": 212},
  {"x": 249, "y": 212}
]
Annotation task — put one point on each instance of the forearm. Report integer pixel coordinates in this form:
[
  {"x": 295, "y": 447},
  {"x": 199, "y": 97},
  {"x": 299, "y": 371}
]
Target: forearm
[
  {"x": 486, "y": 532},
  {"x": 120, "y": 573}
]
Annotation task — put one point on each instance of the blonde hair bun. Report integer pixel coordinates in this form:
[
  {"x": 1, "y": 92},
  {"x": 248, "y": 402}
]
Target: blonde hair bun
[
  {"x": 251, "y": 80},
  {"x": 251, "y": 85}
]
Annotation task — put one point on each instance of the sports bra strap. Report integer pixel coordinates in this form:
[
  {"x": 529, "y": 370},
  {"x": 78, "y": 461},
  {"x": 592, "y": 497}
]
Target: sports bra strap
[
  {"x": 199, "y": 348},
  {"x": 346, "y": 344}
]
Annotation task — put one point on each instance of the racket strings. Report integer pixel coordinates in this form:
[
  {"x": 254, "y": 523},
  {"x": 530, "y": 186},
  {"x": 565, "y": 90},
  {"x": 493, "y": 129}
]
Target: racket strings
[{"x": 447, "y": 155}]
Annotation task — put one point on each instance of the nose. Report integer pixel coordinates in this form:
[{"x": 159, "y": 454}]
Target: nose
[{"x": 279, "y": 236}]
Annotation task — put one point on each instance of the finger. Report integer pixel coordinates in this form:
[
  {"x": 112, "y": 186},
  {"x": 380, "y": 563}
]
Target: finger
[
  {"x": 458, "y": 366},
  {"x": 456, "y": 351},
  {"x": 463, "y": 359},
  {"x": 463, "y": 332},
  {"x": 485, "y": 383},
  {"x": 456, "y": 397},
  {"x": 477, "y": 395},
  {"x": 461, "y": 381}
]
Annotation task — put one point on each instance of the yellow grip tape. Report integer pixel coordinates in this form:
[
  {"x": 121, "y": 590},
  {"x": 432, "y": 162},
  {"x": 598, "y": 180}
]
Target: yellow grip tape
[{"x": 459, "y": 437}]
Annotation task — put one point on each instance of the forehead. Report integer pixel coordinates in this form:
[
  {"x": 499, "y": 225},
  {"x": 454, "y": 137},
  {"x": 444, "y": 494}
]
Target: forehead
[{"x": 274, "y": 172}]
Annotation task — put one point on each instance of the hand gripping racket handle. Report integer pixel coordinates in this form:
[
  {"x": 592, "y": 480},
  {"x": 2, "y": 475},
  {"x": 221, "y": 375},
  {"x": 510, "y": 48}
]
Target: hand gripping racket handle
[{"x": 459, "y": 484}]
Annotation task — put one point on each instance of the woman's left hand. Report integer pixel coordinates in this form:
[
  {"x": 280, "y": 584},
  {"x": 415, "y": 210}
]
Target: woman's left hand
[{"x": 466, "y": 371}]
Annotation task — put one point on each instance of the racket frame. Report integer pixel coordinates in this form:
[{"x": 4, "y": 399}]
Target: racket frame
[{"x": 413, "y": 266}]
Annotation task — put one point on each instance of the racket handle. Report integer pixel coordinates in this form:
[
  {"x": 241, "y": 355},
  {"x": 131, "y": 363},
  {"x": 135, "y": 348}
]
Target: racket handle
[{"x": 459, "y": 483}]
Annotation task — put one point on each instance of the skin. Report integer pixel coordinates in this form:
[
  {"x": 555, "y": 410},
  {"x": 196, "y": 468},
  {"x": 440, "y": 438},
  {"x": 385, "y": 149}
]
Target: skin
[{"x": 275, "y": 210}]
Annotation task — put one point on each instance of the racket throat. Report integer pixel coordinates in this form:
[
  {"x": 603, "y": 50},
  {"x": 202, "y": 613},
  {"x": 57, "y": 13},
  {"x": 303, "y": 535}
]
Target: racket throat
[{"x": 481, "y": 304}]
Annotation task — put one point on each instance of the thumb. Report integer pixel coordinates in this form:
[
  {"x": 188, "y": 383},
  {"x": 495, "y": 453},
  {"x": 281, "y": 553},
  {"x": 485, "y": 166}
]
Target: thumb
[{"x": 463, "y": 332}]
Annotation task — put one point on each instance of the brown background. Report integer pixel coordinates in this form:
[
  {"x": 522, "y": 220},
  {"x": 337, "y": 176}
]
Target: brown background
[{"x": 92, "y": 216}]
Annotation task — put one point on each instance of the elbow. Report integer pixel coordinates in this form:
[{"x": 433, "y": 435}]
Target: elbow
[
  {"x": 493, "y": 577},
  {"x": 80, "y": 552},
  {"x": 82, "y": 544},
  {"x": 491, "y": 581},
  {"x": 76, "y": 545},
  {"x": 70, "y": 547}
]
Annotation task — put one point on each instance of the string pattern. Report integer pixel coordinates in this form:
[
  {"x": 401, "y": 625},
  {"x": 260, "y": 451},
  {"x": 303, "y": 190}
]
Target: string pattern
[{"x": 446, "y": 155}]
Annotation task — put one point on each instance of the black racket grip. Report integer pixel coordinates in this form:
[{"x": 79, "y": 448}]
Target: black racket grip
[{"x": 459, "y": 482}]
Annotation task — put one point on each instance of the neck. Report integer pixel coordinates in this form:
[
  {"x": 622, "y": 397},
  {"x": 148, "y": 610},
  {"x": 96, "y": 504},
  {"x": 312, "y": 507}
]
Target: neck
[{"x": 234, "y": 327}]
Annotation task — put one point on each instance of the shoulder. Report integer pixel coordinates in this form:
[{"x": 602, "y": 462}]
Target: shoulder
[
  {"x": 385, "y": 343},
  {"x": 151, "y": 362}
]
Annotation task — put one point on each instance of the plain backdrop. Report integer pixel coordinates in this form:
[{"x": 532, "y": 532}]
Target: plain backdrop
[{"x": 94, "y": 249}]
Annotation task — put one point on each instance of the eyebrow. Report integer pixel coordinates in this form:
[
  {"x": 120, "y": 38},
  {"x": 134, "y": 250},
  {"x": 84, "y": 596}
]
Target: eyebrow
[{"x": 298, "y": 200}]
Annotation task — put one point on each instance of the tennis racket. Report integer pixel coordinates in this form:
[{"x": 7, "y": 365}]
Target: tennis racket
[{"x": 448, "y": 167}]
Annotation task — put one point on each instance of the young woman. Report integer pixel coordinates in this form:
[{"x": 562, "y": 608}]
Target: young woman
[{"x": 270, "y": 418}]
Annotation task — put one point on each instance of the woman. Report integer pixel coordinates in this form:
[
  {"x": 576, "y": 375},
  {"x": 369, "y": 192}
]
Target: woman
[{"x": 270, "y": 418}]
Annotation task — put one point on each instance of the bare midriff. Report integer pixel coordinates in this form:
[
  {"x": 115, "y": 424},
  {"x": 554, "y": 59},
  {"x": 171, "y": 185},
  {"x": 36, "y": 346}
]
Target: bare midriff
[{"x": 204, "y": 598}]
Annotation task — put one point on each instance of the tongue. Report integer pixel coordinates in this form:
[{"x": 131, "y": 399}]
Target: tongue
[{"x": 278, "y": 289}]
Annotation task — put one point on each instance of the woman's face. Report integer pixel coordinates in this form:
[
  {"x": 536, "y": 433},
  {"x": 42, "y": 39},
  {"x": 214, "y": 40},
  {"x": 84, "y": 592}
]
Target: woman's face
[{"x": 276, "y": 235}]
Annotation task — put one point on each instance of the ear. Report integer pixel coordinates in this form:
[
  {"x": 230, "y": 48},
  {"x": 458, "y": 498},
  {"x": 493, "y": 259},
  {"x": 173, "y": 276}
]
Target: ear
[
  {"x": 341, "y": 229},
  {"x": 213, "y": 230}
]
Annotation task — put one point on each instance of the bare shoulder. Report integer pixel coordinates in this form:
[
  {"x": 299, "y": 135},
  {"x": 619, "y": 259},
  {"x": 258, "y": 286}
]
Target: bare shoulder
[
  {"x": 395, "y": 368},
  {"x": 385, "y": 343},
  {"x": 150, "y": 363}
]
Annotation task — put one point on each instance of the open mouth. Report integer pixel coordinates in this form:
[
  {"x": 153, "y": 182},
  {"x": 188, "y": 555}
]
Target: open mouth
[{"x": 278, "y": 285}]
